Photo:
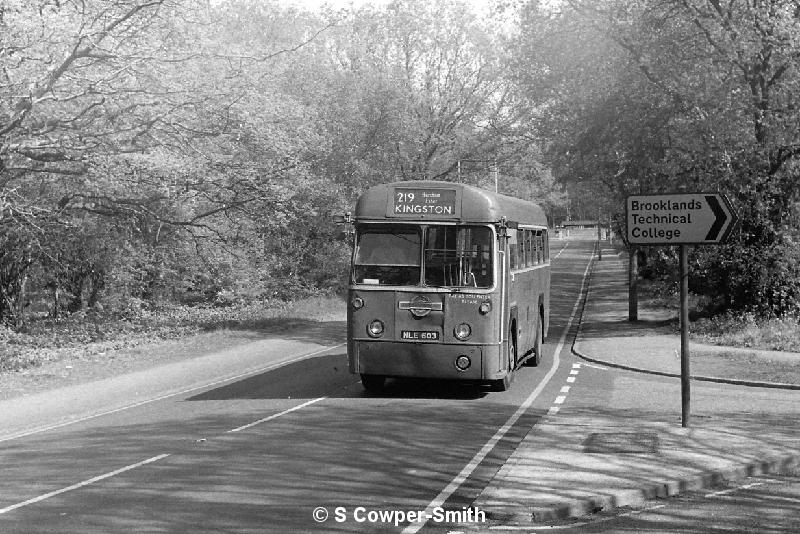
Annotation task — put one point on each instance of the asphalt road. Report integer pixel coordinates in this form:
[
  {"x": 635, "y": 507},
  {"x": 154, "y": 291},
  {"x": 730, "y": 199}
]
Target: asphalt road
[
  {"x": 260, "y": 453},
  {"x": 297, "y": 446}
]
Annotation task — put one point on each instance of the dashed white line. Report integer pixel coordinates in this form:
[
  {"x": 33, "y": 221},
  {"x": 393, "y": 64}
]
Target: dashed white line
[
  {"x": 577, "y": 524},
  {"x": 82, "y": 484},
  {"x": 560, "y": 399},
  {"x": 570, "y": 379},
  {"x": 275, "y": 416},
  {"x": 576, "y": 365},
  {"x": 574, "y": 372},
  {"x": 560, "y": 251},
  {"x": 593, "y": 366},
  {"x": 553, "y": 410},
  {"x": 564, "y": 389},
  {"x": 733, "y": 490}
]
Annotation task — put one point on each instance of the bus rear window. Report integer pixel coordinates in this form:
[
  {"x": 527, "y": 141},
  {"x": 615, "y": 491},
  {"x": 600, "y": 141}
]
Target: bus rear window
[{"x": 387, "y": 255}]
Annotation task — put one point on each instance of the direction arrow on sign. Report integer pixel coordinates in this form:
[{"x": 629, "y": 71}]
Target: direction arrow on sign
[{"x": 679, "y": 219}]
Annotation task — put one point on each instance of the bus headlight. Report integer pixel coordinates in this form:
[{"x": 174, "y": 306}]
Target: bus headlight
[
  {"x": 463, "y": 363},
  {"x": 375, "y": 328},
  {"x": 462, "y": 331},
  {"x": 357, "y": 303},
  {"x": 485, "y": 307}
]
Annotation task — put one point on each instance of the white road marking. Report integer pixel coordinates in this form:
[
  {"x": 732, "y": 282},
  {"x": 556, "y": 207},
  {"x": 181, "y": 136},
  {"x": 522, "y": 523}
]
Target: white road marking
[
  {"x": 576, "y": 366},
  {"x": 733, "y": 490},
  {"x": 462, "y": 476},
  {"x": 570, "y": 379},
  {"x": 82, "y": 484},
  {"x": 564, "y": 389},
  {"x": 577, "y": 524},
  {"x": 553, "y": 410},
  {"x": 593, "y": 366},
  {"x": 275, "y": 416},
  {"x": 560, "y": 399},
  {"x": 574, "y": 372},
  {"x": 560, "y": 251},
  {"x": 168, "y": 395}
]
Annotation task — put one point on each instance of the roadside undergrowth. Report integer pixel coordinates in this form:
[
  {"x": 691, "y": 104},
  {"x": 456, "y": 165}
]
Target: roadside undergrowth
[
  {"x": 734, "y": 329},
  {"x": 746, "y": 330},
  {"x": 89, "y": 334}
]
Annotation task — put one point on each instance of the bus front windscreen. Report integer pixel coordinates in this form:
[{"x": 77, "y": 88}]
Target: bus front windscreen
[
  {"x": 387, "y": 256},
  {"x": 453, "y": 256}
]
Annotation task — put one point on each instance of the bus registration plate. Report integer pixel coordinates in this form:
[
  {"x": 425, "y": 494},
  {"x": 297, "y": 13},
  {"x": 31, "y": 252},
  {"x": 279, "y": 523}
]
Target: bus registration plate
[{"x": 419, "y": 335}]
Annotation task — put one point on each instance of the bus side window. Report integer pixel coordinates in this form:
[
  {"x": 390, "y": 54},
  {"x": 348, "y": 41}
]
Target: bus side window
[
  {"x": 546, "y": 245},
  {"x": 528, "y": 251},
  {"x": 513, "y": 247},
  {"x": 539, "y": 247}
]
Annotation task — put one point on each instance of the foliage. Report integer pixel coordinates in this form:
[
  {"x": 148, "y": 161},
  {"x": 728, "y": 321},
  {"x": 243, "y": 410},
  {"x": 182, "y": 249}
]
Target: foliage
[{"x": 87, "y": 334}]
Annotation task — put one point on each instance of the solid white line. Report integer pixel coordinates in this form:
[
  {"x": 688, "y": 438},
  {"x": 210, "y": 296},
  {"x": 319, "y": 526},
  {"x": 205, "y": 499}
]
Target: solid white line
[
  {"x": 82, "y": 484},
  {"x": 249, "y": 372},
  {"x": 275, "y": 416},
  {"x": 560, "y": 399},
  {"x": 564, "y": 389},
  {"x": 462, "y": 476}
]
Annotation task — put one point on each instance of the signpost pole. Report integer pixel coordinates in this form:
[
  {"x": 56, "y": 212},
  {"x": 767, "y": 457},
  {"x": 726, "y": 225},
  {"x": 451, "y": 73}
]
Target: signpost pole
[
  {"x": 685, "y": 384},
  {"x": 599, "y": 239},
  {"x": 633, "y": 281}
]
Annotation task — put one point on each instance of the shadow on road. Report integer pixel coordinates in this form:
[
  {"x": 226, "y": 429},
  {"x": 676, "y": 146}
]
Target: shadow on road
[
  {"x": 269, "y": 478},
  {"x": 328, "y": 375}
]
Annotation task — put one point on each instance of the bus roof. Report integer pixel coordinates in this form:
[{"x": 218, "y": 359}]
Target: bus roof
[{"x": 429, "y": 200}]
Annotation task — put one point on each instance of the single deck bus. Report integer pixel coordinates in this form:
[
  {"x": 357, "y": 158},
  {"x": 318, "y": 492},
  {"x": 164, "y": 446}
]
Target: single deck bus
[{"x": 448, "y": 281}]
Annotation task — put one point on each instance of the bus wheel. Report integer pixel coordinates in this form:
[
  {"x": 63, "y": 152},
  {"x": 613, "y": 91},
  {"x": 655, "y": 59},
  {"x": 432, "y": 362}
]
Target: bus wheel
[
  {"x": 373, "y": 382},
  {"x": 536, "y": 358},
  {"x": 504, "y": 384}
]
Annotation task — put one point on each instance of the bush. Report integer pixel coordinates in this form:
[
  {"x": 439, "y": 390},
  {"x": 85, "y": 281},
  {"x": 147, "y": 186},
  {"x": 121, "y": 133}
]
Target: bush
[{"x": 748, "y": 330}]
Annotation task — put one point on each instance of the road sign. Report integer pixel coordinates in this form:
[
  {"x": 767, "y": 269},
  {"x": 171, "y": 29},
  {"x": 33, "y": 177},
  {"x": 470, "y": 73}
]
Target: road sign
[{"x": 679, "y": 219}]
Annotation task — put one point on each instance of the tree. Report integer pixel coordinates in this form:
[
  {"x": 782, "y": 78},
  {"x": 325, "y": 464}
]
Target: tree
[{"x": 694, "y": 93}]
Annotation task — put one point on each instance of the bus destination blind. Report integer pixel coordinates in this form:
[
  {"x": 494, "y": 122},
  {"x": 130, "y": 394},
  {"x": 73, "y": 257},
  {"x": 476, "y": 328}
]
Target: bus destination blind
[{"x": 424, "y": 203}]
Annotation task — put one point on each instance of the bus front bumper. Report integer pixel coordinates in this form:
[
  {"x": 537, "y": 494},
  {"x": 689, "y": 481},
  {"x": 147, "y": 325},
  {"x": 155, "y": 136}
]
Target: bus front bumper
[{"x": 424, "y": 360}]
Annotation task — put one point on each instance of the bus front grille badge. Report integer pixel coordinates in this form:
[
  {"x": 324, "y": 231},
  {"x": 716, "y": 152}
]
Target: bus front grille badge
[{"x": 420, "y": 306}]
